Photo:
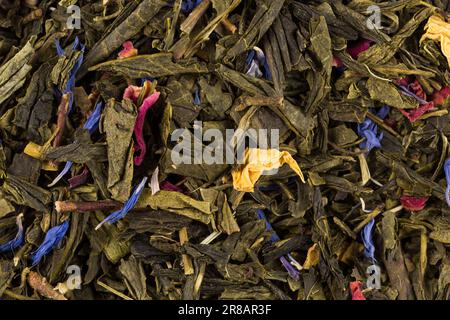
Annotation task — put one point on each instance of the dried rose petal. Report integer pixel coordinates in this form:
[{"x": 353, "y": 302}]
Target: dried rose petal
[
  {"x": 416, "y": 87},
  {"x": 337, "y": 62},
  {"x": 132, "y": 93},
  {"x": 404, "y": 81},
  {"x": 355, "y": 288},
  {"x": 413, "y": 203},
  {"x": 140, "y": 145},
  {"x": 128, "y": 50},
  {"x": 439, "y": 97},
  {"x": 359, "y": 47},
  {"x": 414, "y": 114},
  {"x": 166, "y": 185}
]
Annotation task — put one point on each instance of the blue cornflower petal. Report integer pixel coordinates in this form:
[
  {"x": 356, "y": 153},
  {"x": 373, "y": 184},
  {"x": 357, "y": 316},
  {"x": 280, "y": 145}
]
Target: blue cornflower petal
[
  {"x": 129, "y": 205},
  {"x": 407, "y": 92},
  {"x": 92, "y": 122},
  {"x": 262, "y": 216},
  {"x": 189, "y": 5},
  {"x": 75, "y": 43},
  {"x": 72, "y": 74},
  {"x": 293, "y": 273},
  {"x": 254, "y": 61},
  {"x": 447, "y": 177},
  {"x": 59, "y": 50},
  {"x": 254, "y": 70},
  {"x": 250, "y": 56},
  {"x": 64, "y": 171},
  {"x": 18, "y": 239},
  {"x": 369, "y": 130},
  {"x": 372, "y": 141},
  {"x": 197, "y": 100},
  {"x": 369, "y": 247},
  {"x": 383, "y": 112},
  {"x": 52, "y": 239}
]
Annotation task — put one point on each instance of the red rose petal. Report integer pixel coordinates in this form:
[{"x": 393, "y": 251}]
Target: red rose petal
[
  {"x": 439, "y": 97},
  {"x": 128, "y": 50},
  {"x": 413, "y": 203},
  {"x": 355, "y": 288},
  {"x": 358, "y": 48},
  {"x": 414, "y": 114}
]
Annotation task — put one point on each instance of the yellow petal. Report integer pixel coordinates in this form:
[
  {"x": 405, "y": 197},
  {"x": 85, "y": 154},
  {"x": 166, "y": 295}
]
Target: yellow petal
[
  {"x": 256, "y": 161},
  {"x": 34, "y": 150},
  {"x": 312, "y": 258},
  {"x": 438, "y": 30}
]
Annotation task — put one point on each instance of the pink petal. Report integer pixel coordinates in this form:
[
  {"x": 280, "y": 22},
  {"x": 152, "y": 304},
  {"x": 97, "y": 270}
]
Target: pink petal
[
  {"x": 413, "y": 203},
  {"x": 439, "y": 97},
  {"x": 418, "y": 90},
  {"x": 166, "y": 185},
  {"x": 132, "y": 93},
  {"x": 337, "y": 62},
  {"x": 414, "y": 114},
  {"x": 139, "y": 126},
  {"x": 356, "y": 49},
  {"x": 128, "y": 50},
  {"x": 404, "y": 81},
  {"x": 355, "y": 288}
]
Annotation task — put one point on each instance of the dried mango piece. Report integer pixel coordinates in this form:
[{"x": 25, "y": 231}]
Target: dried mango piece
[{"x": 256, "y": 161}]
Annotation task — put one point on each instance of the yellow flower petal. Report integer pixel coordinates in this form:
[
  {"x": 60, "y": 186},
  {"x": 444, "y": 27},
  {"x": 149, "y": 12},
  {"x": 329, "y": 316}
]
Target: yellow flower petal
[
  {"x": 256, "y": 161},
  {"x": 438, "y": 30}
]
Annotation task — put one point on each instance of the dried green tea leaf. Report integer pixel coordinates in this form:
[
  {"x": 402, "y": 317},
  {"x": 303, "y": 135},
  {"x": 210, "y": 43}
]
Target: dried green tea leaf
[
  {"x": 178, "y": 203},
  {"x": 14, "y": 72},
  {"x": 154, "y": 65},
  {"x": 119, "y": 120}
]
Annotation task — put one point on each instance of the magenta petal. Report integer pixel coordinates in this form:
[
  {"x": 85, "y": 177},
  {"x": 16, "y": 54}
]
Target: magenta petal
[
  {"x": 414, "y": 114},
  {"x": 139, "y": 126},
  {"x": 166, "y": 185},
  {"x": 439, "y": 97},
  {"x": 337, "y": 62},
  {"x": 358, "y": 48},
  {"x": 132, "y": 93}
]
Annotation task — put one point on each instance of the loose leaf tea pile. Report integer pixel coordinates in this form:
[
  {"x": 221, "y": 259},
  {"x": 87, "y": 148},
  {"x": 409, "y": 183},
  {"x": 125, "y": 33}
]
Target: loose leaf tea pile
[{"x": 94, "y": 204}]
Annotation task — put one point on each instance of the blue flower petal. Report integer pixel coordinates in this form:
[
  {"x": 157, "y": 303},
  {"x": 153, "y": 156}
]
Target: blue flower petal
[
  {"x": 18, "y": 239},
  {"x": 256, "y": 60},
  {"x": 369, "y": 247},
  {"x": 129, "y": 205},
  {"x": 92, "y": 122},
  {"x": 369, "y": 130},
  {"x": 293, "y": 273},
  {"x": 52, "y": 239},
  {"x": 197, "y": 100},
  {"x": 409, "y": 93},
  {"x": 447, "y": 177},
  {"x": 189, "y": 5},
  {"x": 262, "y": 216}
]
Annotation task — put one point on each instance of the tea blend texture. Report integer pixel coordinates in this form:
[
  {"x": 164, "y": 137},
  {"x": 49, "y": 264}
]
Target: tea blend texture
[{"x": 350, "y": 200}]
